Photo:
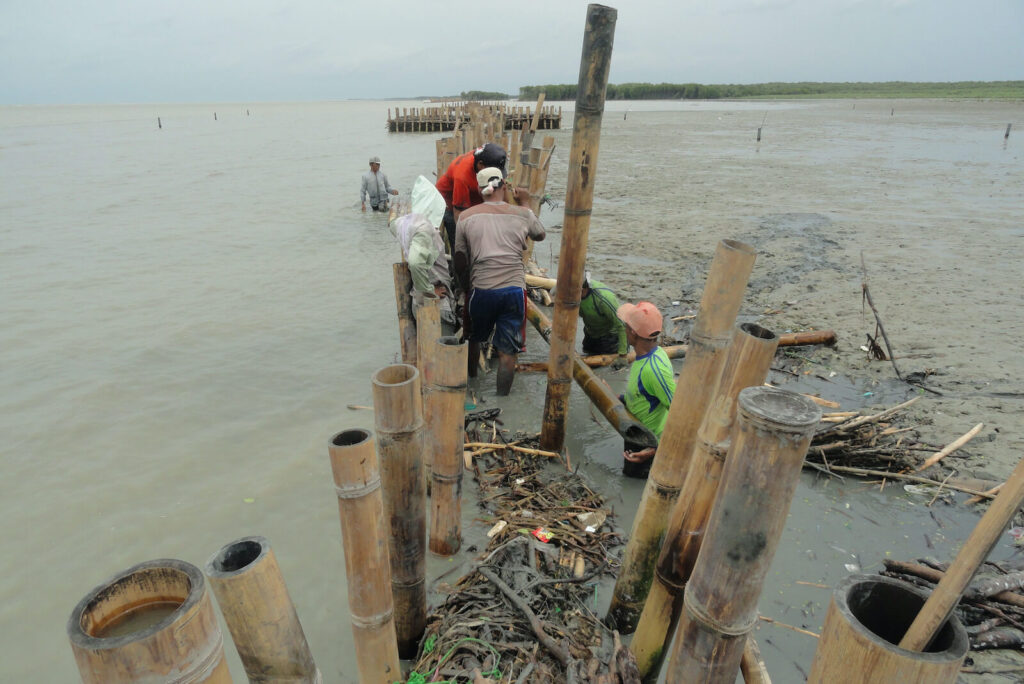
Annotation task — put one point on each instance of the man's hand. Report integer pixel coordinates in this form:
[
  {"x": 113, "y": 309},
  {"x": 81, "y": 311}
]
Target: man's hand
[
  {"x": 364, "y": 206},
  {"x": 440, "y": 290},
  {"x": 394, "y": 192},
  {"x": 522, "y": 196},
  {"x": 620, "y": 362},
  {"x": 641, "y": 456}
]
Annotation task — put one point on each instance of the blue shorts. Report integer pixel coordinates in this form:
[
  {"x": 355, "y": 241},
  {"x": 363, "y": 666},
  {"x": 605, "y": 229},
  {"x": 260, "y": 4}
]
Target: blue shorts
[{"x": 504, "y": 312}]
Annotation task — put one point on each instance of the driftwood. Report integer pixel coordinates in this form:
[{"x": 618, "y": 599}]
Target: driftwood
[{"x": 866, "y": 297}]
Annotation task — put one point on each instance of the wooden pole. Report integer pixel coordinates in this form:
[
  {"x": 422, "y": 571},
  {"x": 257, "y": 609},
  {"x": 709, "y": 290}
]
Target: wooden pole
[
  {"x": 398, "y": 418},
  {"x": 596, "y": 389},
  {"x": 364, "y": 536},
  {"x": 865, "y": 618},
  {"x": 749, "y": 359},
  {"x": 254, "y": 600},
  {"x": 712, "y": 331},
  {"x": 428, "y": 332},
  {"x": 444, "y": 403},
  {"x": 152, "y": 622},
  {"x": 594, "y": 64},
  {"x": 972, "y": 554},
  {"x": 406, "y": 325},
  {"x": 773, "y": 430}
]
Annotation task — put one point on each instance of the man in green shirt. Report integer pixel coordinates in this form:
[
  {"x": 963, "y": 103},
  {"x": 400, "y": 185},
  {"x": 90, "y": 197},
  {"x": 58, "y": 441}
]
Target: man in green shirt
[
  {"x": 603, "y": 332},
  {"x": 651, "y": 383}
]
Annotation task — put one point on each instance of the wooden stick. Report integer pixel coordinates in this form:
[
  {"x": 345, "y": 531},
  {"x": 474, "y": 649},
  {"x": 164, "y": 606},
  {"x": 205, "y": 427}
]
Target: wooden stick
[
  {"x": 981, "y": 497},
  {"x": 524, "y": 608},
  {"x": 974, "y": 551},
  {"x": 783, "y": 624},
  {"x": 935, "y": 576},
  {"x": 951, "y": 447},
  {"x": 903, "y": 476},
  {"x": 489, "y": 446},
  {"x": 878, "y": 319},
  {"x": 752, "y": 666}
]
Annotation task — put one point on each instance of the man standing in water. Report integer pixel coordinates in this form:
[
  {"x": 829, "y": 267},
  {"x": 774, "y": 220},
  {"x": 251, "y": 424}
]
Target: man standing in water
[
  {"x": 603, "y": 332},
  {"x": 651, "y": 383},
  {"x": 375, "y": 185},
  {"x": 490, "y": 239},
  {"x": 458, "y": 184}
]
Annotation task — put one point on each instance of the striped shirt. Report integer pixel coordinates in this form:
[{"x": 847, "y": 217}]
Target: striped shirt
[{"x": 650, "y": 389}]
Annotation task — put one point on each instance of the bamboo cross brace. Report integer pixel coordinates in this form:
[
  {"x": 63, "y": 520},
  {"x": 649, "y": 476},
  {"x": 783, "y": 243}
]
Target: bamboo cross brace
[{"x": 488, "y": 446}]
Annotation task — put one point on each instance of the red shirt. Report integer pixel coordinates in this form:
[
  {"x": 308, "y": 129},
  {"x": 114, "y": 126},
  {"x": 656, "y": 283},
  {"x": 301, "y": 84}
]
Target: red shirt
[{"x": 458, "y": 184}]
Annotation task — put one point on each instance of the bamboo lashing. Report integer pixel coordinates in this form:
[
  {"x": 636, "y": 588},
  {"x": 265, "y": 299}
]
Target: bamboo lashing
[
  {"x": 749, "y": 359},
  {"x": 364, "y": 537},
  {"x": 445, "y": 394},
  {"x": 595, "y": 62},
  {"x": 712, "y": 331},
  {"x": 260, "y": 615},
  {"x": 773, "y": 430},
  {"x": 398, "y": 419}
]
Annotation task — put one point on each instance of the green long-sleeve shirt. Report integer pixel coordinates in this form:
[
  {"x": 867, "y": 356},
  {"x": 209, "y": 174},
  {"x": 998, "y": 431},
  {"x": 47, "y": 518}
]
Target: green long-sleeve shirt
[{"x": 598, "y": 311}]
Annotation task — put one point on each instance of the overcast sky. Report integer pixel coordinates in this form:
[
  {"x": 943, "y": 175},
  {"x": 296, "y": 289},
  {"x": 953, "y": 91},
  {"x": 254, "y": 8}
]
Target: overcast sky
[{"x": 65, "y": 51}]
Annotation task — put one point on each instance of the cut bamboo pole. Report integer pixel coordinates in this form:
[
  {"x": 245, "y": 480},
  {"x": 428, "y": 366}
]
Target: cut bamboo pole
[
  {"x": 406, "y": 323},
  {"x": 152, "y": 622},
  {"x": 364, "y": 537},
  {"x": 749, "y": 359},
  {"x": 677, "y": 351},
  {"x": 752, "y": 666},
  {"x": 773, "y": 431},
  {"x": 428, "y": 332},
  {"x": 865, "y": 618},
  {"x": 720, "y": 303},
  {"x": 254, "y": 600},
  {"x": 444, "y": 403},
  {"x": 586, "y": 135},
  {"x": 973, "y": 553},
  {"x": 951, "y": 447},
  {"x": 398, "y": 418}
]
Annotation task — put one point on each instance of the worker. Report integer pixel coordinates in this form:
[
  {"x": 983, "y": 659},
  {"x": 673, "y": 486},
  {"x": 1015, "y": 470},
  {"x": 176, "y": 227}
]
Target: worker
[
  {"x": 490, "y": 239},
  {"x": 603, "y": 332},
  {"x": 375, "y": 185},
  {"x": 458, "y": 184}
]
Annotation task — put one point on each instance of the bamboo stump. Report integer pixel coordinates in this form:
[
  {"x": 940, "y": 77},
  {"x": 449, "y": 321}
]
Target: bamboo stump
[
  {"x": 152, "y": 622},
  {"x": 253, "y": 598},
  {"x": 444, "y": 404},
  {"x": 398, "y": 418},
  {"x": 363, "y": 534}
]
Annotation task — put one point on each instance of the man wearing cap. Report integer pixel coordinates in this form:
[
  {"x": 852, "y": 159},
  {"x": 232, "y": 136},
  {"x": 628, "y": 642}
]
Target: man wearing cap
[
  {"x": 603, "y": 332},
  {"x": 376, "y": 186},
  {"x": 490, "y": 239},
  {"x": 458, "y": 184},
  {"x": 651, "y": 384}
]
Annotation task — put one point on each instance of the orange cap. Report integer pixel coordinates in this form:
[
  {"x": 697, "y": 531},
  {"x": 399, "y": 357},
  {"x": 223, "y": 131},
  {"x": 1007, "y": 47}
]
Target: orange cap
[{"x": 643, "y": 317}]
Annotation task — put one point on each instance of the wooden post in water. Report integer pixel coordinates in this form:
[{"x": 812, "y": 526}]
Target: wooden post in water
[
  {"x": 364, "y": 536},
  {"x": 749, "y": 359},
  {"x": 712, "y": 331},
  {"x": 254, "y": 600},
  {"x": 398, "y": 411},
  {"x": 444, "y": 405},
  {"x": 152, "y": 622},
  {"x": 406, "y": 323},
  {"x": 773, "y": 430},
  {"x": 586, "y": 135}
]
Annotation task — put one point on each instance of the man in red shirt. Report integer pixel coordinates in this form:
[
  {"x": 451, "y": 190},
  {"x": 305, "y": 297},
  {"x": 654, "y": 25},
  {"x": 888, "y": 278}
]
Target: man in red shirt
[{"x": 459, "y": 187}]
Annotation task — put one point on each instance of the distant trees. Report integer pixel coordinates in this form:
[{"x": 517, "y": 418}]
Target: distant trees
[
  {"x": 484, "y": 95},
  {"x": 698, "y": 91}
]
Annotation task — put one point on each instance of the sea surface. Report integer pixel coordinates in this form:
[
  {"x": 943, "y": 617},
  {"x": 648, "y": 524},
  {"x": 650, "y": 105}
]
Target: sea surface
[{"x": 186, "y": 311}]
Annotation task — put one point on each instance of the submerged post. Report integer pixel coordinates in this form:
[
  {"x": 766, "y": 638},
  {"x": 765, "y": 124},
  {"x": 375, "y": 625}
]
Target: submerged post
[
  {"x": 398, "y": 411},
  {"x": 749, "y": 359},
  {"x": 364, "y": 536},
  {"x": 444, "y": 404},
  {"x": 586, "y": 135},
  {"x": 406, "y": 323},
  {"x": 719, "y": 305},
  {"x": 152, "y": 622},
  {"x": 252, "y": 595},
  {"x": 773, "y": 431}
]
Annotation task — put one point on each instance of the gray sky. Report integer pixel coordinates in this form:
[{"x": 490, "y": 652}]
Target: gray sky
[{"x": 63, "y": 51}]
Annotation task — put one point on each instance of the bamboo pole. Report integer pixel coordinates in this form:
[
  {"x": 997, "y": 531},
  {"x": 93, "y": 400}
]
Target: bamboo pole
[
  {"x": 152, "y": 622},
  {"x": 586, "y": 135},
  {"x": 749, "y": 359},
  {"x": 950, "y": 448},
  {"x": 445, "y": 395},
  {"x": 428, "y": 332},
  {"x": 254, "y": 600},
  {"x": 364, "y": 537},
  {"x": 773, "y": 431},
  {"x": 406, "y": 324},
  {"x": 972, "y": 554},
  {"x": 398, "y": 418},
  {"x": 720, "y": 303},
  {"x": 596, "y": 389},
  {"x": 865, "y": 618}
]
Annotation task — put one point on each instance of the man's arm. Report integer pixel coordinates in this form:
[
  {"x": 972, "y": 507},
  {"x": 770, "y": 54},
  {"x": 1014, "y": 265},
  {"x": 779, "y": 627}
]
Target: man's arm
[
  {"x": 460, "y": 257},
  {"x": 363, "y": 191},
  {"x": 387, "y": 186}
]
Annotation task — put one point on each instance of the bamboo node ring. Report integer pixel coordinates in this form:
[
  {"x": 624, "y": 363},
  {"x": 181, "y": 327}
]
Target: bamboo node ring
[
  {"x": 698, "y": 613},
  {"x": 371, "y": 621},
  {"x": 358, "y": 491}
]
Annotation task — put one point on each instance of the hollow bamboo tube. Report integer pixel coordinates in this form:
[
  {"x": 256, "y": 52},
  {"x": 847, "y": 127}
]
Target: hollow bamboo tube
[
  {"x": 428, "y": 332},
  {"x": 865, "y": 618},
  {"x": 773, "y": 430},
  {"x": 406, "y": 325},
  {"x": 364, "y": 538},
  {"x": 595, "y": 61},
  {"x": 253, "y": 598},
  {"x": 720, "y": 303},
  {"x": 596, "y": 389},
  {"x": 748, "y": 361},
  {"x": 152, "y": 622},
  {"x": 444, "y": 404},
  {"x": 398, "y": 418}
]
